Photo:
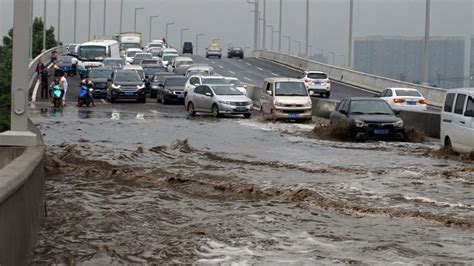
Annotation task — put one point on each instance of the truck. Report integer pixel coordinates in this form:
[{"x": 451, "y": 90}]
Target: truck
[{"x": 129, "y": 40}]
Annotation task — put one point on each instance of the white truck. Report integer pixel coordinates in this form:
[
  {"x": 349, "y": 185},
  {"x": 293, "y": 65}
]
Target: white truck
[{"x": 129, "y": 40}]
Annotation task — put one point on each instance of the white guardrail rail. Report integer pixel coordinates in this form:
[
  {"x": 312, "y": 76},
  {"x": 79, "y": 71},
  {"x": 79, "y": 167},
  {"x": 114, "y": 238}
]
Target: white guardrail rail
[{"x": 366, "y": 81}]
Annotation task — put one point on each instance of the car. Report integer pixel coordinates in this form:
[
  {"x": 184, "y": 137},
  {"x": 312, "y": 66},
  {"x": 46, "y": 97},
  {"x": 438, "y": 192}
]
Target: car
[
  {"x": 156, "y": 81},
  {"x": 155, "y": 52},
  {"x": 369, "y": 118},
  {"x": 130, "y": 54},
  {"x": 214, "y": 52},
  {"x": 235, "y": 52},
  {"x": 99, "y": 77},
  {"x": 136, "y": 68},
  {"x": 148, "y": 62},
  {"x": 180, "y": 60},
  {"x": 150, "y": 70},
  {"x": 181, "y": 70},
  {"x": 404, "y": 99},
  {"x": 204, "y": 70},
  {"x": 169, "y": 50},
  {"x": 219, "y": 100},
  {"x": 197, "y": 80},
  {"x": 153, "y": 45},
  {"x": 126, "y": 84},
  {"x": 171, "y": 89},
  {"x": 64, "y": 63},
  {"x": 166, "y": 59},
  {"x": 457, "y": 121},
  {"x": 188, "y": 48},
  {"x": 317, "y": 83},
  {"x": 137, "y": 61},
  {"x": 236, "y": 83},
  {"x": 72, "y": 49},
  {"x": 114, "y": 63},
  {"x": 143, "y": 56},
  {"x": 285, "y": 98}
]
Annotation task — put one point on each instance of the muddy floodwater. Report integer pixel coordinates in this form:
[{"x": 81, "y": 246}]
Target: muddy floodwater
[{"x": 131, "y": 183}]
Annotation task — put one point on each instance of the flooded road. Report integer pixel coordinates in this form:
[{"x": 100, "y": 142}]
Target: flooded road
[{"x": 137, "y": 183}]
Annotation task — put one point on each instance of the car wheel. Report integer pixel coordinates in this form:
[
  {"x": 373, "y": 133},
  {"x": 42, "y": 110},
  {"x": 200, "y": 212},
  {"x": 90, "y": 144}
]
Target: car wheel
[
  {"x": 448, "y": 146},
  {"x": 327, "y": 94},
  {"x": 207, "y": 56},
  {"x": 153, "y": 94},
  {"x": 247, "y": 115},
  {"x": 163, "y": 100},
  {"x": 215, "y": 110},
  {"x": 220, "y": 57},
  {"x": 191, "y": 110}
]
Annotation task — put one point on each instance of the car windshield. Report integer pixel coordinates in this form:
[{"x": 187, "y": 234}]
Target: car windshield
[
  {"x": 149, "y": 62},
  {"x": 317, "y": 76},
  {"x": 151, "y": 70},
  {"x": 157, "y": 75},
  {"x": 132, "y": 53},
  {"x": 169, "y": 57},
  {"x": 155, "y": 52},
  {"x": 155, "y": 45},
  {"x": 184, "y": 62},
  {"x": 412, "y": 93},
  {"x": 234, "y": 82},
  {"x": 214, "y": 81},
  {"x": 181, "y": 71},
  {"x": 143, "y": 56},
  {"x": 113, "y": 62},
  {"x": 226, "y": 90},
  {"x": 94, "y": 74},
  {"x": 65, "y": 60},
  {"x": 92, "y": 53},
  {"x": 290, "y": 88},
  {"x": 370, "y": 107},
  {"x": 127, "y": 76},
  {"x": 175, "y": 82},
  {"x": 125, "y": 46}
]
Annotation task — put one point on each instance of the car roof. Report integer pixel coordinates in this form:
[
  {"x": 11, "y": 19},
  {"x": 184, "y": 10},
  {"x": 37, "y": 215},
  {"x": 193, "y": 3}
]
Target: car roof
[
  {"x": 406, "y": 89},
  {"x": 282, "y": 79},
  {"x": 183, "y": 58},
  {"x": 113, "y": 58},
  {"x": 132, "y": 67},
  {"x": 231, "y": 78},
  {"x": 314, "y": 72},
  {"x": 469, "y": 91},
  {"x": 143, "y": 53}
]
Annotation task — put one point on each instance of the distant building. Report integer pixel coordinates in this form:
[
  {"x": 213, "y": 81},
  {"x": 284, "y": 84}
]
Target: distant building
[{"x": 401, "y": 58}]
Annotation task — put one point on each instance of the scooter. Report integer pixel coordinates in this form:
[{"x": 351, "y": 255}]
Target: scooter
[
  {"x": 85, "y": 95},
  {"x": 57, "y": 96}
]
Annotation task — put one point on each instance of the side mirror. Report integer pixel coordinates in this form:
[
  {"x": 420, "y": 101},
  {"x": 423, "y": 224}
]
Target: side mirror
[
  {"x": 269, "y": 92},
  {"x": 343, "y": 112},
  {"x": 208, "y": 94}
]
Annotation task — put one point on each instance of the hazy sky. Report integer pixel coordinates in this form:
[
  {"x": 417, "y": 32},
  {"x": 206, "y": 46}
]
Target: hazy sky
[{"x": 231, "y": 21}]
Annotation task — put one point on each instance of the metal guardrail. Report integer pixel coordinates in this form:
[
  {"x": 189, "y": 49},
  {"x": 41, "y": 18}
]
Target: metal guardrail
[{"x": 370, "y": 82}]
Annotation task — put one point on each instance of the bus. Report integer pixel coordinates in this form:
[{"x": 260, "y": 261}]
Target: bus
[{"x": 91, "y": 54}]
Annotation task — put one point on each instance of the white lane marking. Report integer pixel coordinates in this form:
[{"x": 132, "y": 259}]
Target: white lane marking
[
  {"x": 220, "y": 66},
  {"x": 232, "y": 72},
  {"x": 259, "y": 68},
  {"x": 213, "y": 62},
  {"x": 274, "y": 74},
  {"x": 248, "y": 79},
  {"x": 140, "y": 116},
  {"x": 240, "y": 60},
  {"x": 104, "y": 101},
  {"x": 249, "y": 64}
]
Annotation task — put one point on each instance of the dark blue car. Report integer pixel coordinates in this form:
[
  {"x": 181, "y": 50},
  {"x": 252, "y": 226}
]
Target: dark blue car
[{"x": 64, "y": 63}]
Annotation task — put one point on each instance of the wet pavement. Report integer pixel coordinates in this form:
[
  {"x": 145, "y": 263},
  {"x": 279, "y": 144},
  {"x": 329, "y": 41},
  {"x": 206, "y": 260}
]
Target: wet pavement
[{"x": 144, "y": 183}]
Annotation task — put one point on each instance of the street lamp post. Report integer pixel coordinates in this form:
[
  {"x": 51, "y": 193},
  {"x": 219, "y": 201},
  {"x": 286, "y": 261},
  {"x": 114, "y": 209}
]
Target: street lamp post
[
  {"x": 166, "y": 32},
  {"x": 289, "y": 43},
  {"x": 197, "y": 39},
  {"x": 105, "y": 17},
  {"x": 279, "y": 27},
  {"x": 333, "y": 58},
  {"x": 181, "y": 39},
  {"x": 59, "y": 20},
  {"x": 264, "y": 32},
  {"x": 135, "y": 18},
  {"x": 121, "y": 15},
  {"x": 150, "y": 29},
  {"x": 75, "y": 20},
  {"x": 425, "y": 63},
  {"x": 271, "y": 43},
  {"x": 306, "y": 49},
  {"x": 256, "y": 23},
  {"x": 90, "y": 18},
  {"x": 299, "y": 47},
  {"x": 44, "y": 25},
  {"x": 351, "y": 18}
]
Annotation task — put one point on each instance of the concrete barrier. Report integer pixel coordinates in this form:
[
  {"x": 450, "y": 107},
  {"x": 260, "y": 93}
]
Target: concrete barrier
[
  {"x": 370, "y": 82},
  {"x": 427, "y": 122}
]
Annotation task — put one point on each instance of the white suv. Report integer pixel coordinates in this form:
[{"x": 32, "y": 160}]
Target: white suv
[
  {"x": 197, "y": 80},
  {"x": 317, "y": 82}
]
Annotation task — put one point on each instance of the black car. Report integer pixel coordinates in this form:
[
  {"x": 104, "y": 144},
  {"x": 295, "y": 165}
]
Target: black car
[
  {"x": 188, "y": 48},
  {"x": 171, "y": 89},
  {"x": 156, "y": 80},
  {"x": 369, "y": 118},
  {"x": 148, "y": 62},
  {"x": 126, "y": 84},
  {"x": 99, "y": 77},
  {"x": 151, "y": 69},
  {"x": 235, "y": 52},
  {"x": 64, "y": 63}
]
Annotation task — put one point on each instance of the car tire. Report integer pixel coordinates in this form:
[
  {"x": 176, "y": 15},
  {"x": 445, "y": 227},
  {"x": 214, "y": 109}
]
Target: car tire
[
  {"x": 247, "y": 115},
  {"x": 190, "y": 109},
  {"x": 448, "y": 146},
  {"x": 220, "y": 57},
  {"x": 242, "y": 57},
  {"x": 163, "y": 100},
  {"x": 112, "y": 100},
  {"x": 215, "y": 110},
  {"x": 327, "y": 95},
  {"x": 153, "y": 94}
]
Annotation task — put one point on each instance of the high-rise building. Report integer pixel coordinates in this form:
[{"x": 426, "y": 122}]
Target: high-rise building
[{"x": 400, "y": 58}]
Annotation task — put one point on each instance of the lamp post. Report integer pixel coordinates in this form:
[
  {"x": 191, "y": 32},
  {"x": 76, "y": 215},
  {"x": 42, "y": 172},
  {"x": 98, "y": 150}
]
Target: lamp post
[
  {"x": 271, "y": 45},
  {"x": 299, "y": 47},
  {"x": 135, "y": 18},
  {"x": 279, "y": 27},
  {"x": 264, "y": 32},
  {"x": 289, "y": 43},
  {"x": 426, "y": 59},
  {"x": 333, "y": 58},
  {"x": 44, "y": 25},
  {"x": 256, "y": 23},
  {"x": 59, "y": 20},
  {"x": 306, "y": 49},
  {"x": 150, "y": 26},
  {"x": 121, "y": 15},
  {"x": 75, "y": 20},
  {"x": 105, "y": 17},
  {"x": 351, "y": 18},
  {"x": 197, "y": 39},
  {"x": 181, "y": 39},
  {"x": 166, "y": 32}
]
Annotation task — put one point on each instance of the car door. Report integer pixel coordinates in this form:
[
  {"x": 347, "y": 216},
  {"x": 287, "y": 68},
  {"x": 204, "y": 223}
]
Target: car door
[
  {"x": 447, "y": 117},
  {"x": 339, "y": 116},
  {"x": 458, "y": 120},
  {"x": 265, "y": 98},
  {"x": 196, "y": 97},
  {"x": 466, "y": 125},
  {"x": 207, "y": 101}
]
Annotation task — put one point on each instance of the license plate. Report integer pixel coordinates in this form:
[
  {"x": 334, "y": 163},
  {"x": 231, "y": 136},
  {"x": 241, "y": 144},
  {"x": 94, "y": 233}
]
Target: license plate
[
  {"x": 129, "y": 93},
  {"x": 293, "y": 116},
  {"x": 316, "y": 83},
  {"x": 240, "y": 109},
  {"x": 180, "y": 96},
  {"x": 411, "y": 103},
  {"x": 381, "y": 131}
]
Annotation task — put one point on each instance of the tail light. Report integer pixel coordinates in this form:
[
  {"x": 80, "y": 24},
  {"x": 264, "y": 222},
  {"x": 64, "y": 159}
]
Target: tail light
[
  {"x": 398, "y": 100},
  {"x": 328, "y": 81},
  {"x": 423, "y": 101}
]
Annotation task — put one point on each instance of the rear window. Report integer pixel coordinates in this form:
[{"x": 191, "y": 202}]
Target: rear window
[
  {"x": 317, "y": 76},
  {"x": 407, "y": 93},
  {"x": 460, "y": 100},
  {"x": 448, "y": 104}
]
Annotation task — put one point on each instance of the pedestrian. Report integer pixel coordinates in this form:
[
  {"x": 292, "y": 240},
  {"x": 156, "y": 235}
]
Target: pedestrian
[
  {"x": 40, "y": 68},
  {"x": 44, "y": 85},
  {"x": 74, "y": 62},
  {"x": 54, "y": 56},
  {"x": 64, "y": 86}
]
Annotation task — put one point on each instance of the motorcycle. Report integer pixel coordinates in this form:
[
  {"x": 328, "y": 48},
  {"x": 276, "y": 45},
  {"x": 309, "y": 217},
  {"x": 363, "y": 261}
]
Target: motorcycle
[
  {"x": 57, "y": 95},
  {"x": 85, "y": 95}
]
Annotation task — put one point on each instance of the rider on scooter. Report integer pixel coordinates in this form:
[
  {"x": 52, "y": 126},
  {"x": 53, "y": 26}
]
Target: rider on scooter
[{"x": 87, "y": 84}]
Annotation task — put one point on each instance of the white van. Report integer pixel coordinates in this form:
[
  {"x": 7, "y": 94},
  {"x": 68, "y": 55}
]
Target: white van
[
  {"x": 285, "y": 98},
  {"x": 91, "y": 54},
  {"x": 457, "y": 120}
]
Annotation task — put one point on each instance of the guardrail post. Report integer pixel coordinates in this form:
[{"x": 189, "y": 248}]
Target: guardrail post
[{"x": 19, "y": 134}]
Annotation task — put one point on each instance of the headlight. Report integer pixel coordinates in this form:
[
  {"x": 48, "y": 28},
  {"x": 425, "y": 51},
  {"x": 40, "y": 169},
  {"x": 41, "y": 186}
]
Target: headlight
[
  {"x": 139, "y": 87},
  {"x": 168, "y": 91},
  {"x": 359, "y": 123},
  {"x": 154, "y": 87},
  {"x": 308, "y": 103},
  {"x": 117, "y": 87},
  {"x": 224, "y": 102},
  {"x": 398, "y": 123},
  {"x": 277, "y": 103}
]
